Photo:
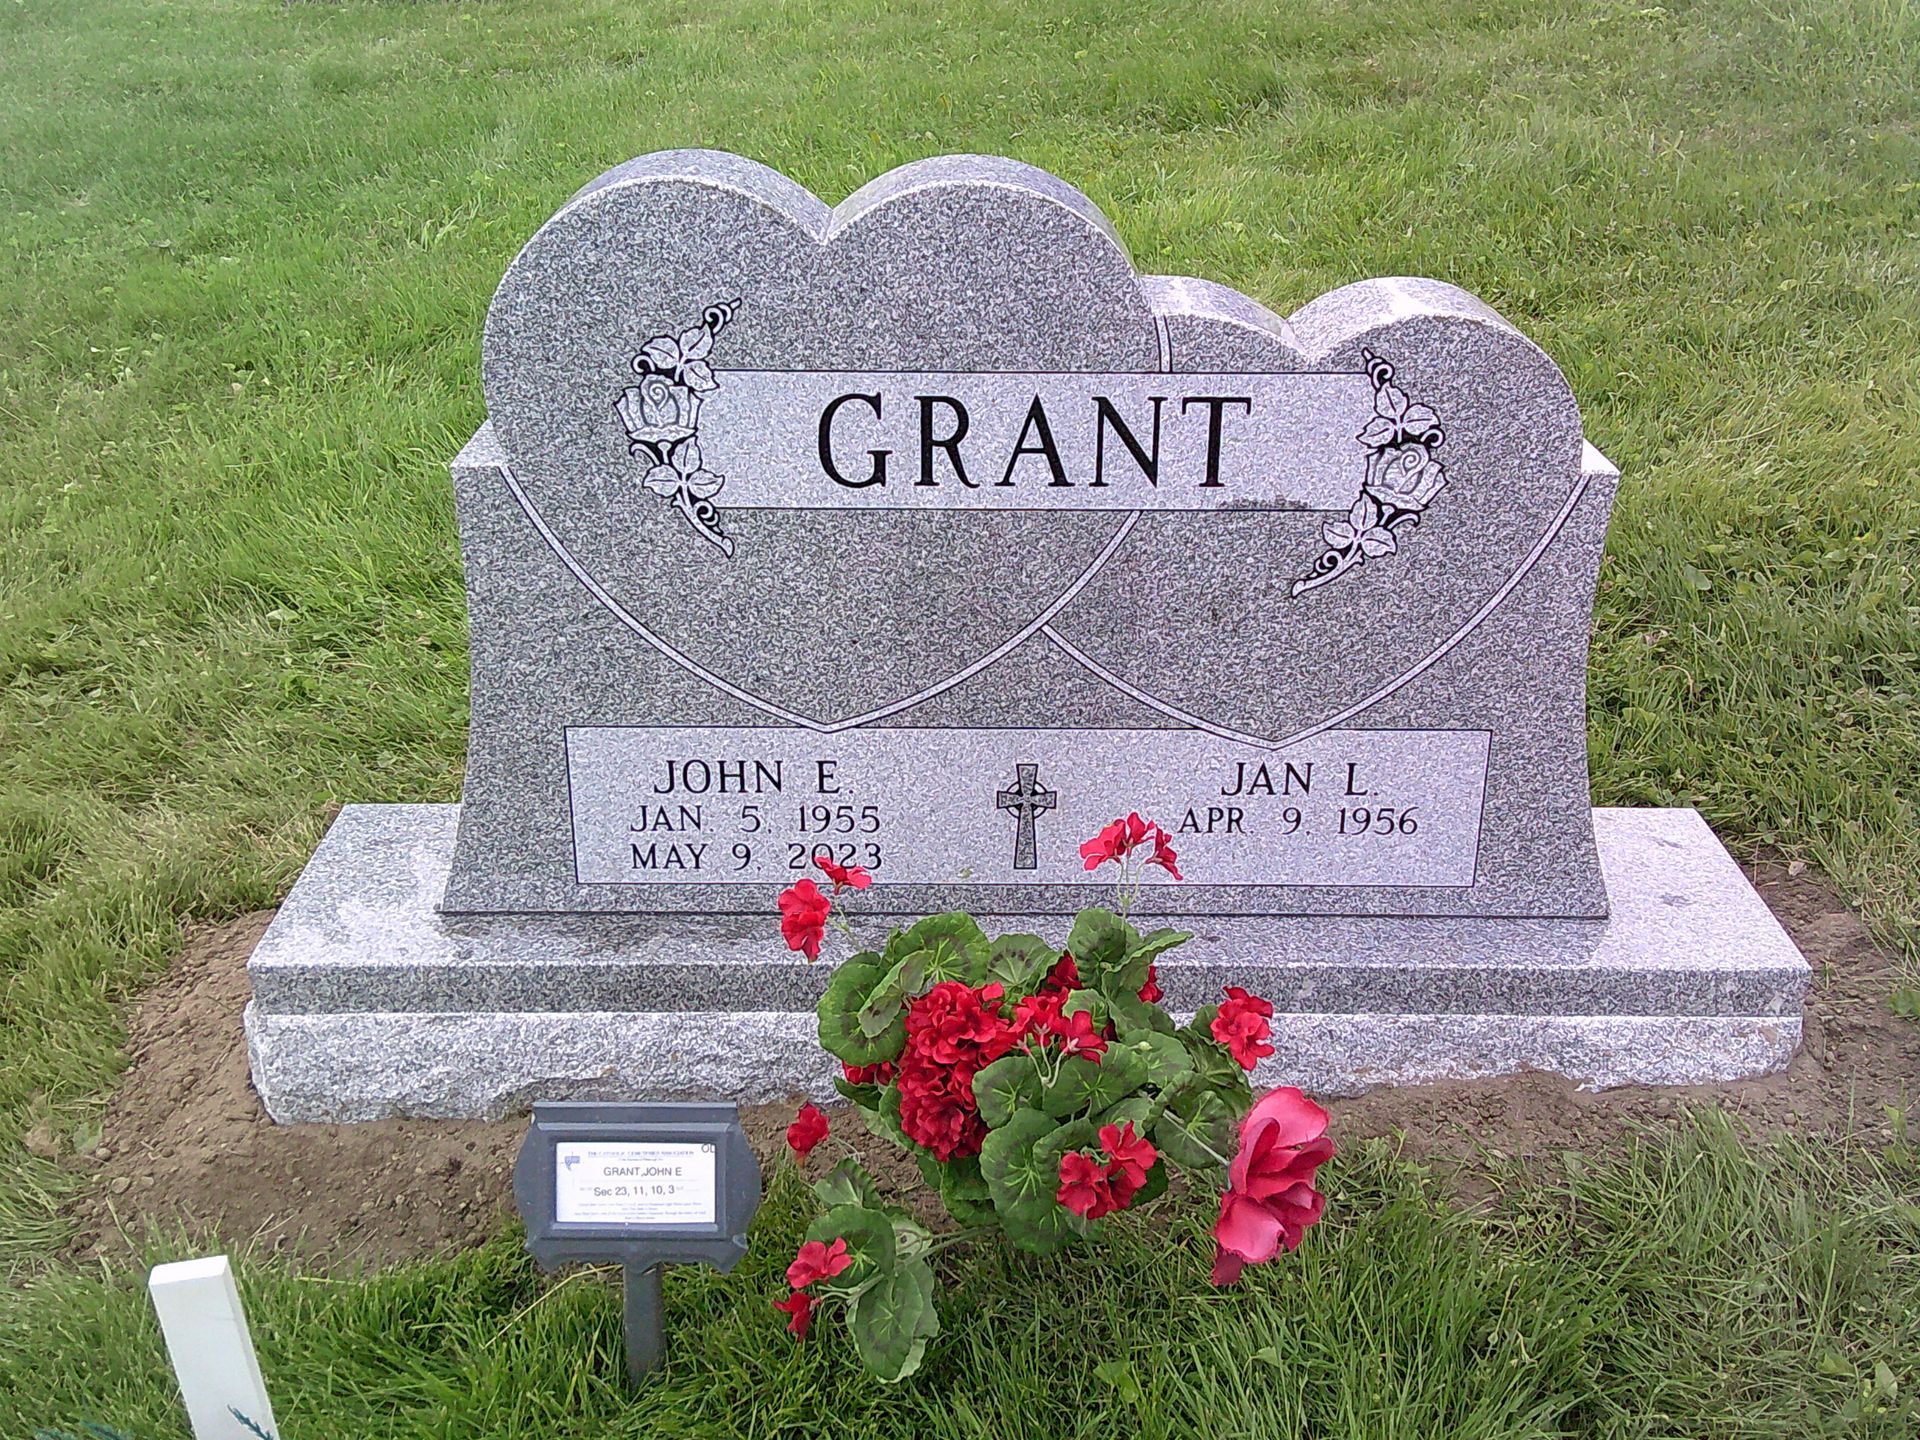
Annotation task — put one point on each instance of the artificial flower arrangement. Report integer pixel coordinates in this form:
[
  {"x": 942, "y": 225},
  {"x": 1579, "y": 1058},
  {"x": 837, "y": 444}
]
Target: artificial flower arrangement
[{"x": 1041, "y": 1089}]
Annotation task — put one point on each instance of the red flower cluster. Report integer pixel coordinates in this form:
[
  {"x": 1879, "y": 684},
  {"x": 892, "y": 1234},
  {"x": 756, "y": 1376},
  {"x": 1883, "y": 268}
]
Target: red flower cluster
[
  {"x": 1270, "y": 1199},
  {"x": 1095, "y": 1187},
  {"x": 815, "y": 1262},
  {"x": 808, "y": 1129},
  {"x": 803, "y": 917},
  {"x": 878, "y": 1073},
  {"x": 1042, "y": 1017},
  {"x": 1241, "y": 1026},
  {"x": 1123, "y": 837},
  {"x": 953, "y": 1032}
]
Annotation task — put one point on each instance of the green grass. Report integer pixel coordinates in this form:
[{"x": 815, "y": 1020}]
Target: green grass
[
  {"x": 1698, "y": 1289},
  {"x": 247, "y": 250}
]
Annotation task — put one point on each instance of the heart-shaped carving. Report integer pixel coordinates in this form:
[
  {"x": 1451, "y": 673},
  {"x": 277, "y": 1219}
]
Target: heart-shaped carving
[{"x": 831, "y": 617}]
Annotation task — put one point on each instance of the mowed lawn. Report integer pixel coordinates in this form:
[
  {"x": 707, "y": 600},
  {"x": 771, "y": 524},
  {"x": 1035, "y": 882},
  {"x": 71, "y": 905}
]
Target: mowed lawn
[{"x": 247, "y": 251}]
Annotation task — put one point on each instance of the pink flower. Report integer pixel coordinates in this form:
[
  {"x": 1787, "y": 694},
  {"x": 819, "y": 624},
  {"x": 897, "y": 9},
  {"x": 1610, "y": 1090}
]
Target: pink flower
[
  {"x": 1241, "y": 1025},
  {"x": 808, "y": 1129},
  {"x": 1270, "y": 1199},
  {"x": 803, "y": 917}
]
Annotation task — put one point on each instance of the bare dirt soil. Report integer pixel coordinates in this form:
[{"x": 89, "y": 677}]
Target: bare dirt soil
[{"x": 186, "y": 1146}]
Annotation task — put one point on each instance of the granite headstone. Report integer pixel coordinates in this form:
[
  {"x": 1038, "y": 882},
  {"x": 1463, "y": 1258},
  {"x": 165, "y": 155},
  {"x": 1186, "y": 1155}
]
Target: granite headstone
[{"x": 924, "y": 532}]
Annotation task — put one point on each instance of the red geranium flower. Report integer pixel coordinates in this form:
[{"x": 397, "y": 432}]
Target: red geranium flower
[
  {"x": 1116, "y": 841},
  {"x": 844, "y": 877},
  {"x": 1132, "y": 1155},
  {"x": 878, "y": 1073},
  {"x": 1077, "y": 1036},
  {"x": 1036, "y": 1016},
  {"x": 1241, "y": 1025},
  {"x": 803, "y": 917},
  {"x": 1151, "y": 991},
  {"x": 1042, "y": 1018},
  {"x": 799, "y": 1308},
  {"x": 956, "y": 1024},
  {"x": 1270, "y": 1199},
  {"x": 808, "y": 1129},
  {"x": 953, "y": 1032},
  {"x": 938, "y": 1111},
  {"x": 817, "y": 1261},
  {"x": 1163, "y": 853},
  {"x": 1086, "y": 1186},
  {"x": 1064, "y": 976}
]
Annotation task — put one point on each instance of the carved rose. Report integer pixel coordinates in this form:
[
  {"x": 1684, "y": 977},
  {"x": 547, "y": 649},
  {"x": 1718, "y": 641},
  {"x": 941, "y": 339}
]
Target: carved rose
[
  {"x": 662, "y": 402},
  {"x": 1407, "y": 478}
]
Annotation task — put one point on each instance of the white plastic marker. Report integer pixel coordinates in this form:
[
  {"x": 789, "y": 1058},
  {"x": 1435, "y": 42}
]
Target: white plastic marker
[{"x": 212, "y": 1352}]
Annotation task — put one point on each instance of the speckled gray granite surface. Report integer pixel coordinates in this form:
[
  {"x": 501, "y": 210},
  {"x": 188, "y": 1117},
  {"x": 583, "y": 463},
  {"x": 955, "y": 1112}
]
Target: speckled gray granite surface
[
  {"x": 355, "y": 1067},
  {"x": 638, "y": 563},
  {"x": 369, "y": 1001}
]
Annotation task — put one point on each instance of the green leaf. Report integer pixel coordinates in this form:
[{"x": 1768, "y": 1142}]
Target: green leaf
[
  {"x": 887, "y": 1002},
  {"x": 1093, "y": 1003},
  {"x": 1133, "y": 1016},
  {"x": 848, "y": 1184},
  {"x": 885, "y": 1121},
  {"x": 892, "y": 1322},
  {"x": 847, "y": 994},
  {"x": 1085, "y": 1085},
  {"x": 1020, "y": 962},
  {"x": 865, "y": 1096},
  {"x": 944, "y": 947},
  {"x": 1022, "y": 1183},
  {"x": 1097, "y": 942},
  {"x": 1009, "y": 1083},
  {"x": 1216, "y": 1068},
  {"x": 1201, "y": 1026},
  {"x": 963, "y": 1190},
  {"x": 1156, "y": 943},
  {"x": 869, "y": 1237},
  {"x": 1196, "y": 1121},
  {"x": 1166, "y": 1059}
]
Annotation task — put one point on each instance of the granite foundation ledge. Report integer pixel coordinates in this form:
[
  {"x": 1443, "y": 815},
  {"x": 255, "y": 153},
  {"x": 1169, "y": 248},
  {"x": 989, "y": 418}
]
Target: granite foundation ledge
[
  {"x": 361, "y": 933},
  {"x": 359, "y": 1067}
]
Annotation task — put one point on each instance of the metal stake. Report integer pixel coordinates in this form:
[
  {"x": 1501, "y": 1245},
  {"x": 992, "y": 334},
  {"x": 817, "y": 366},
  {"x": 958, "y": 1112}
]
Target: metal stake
[{"x": 643, "y": 1320}]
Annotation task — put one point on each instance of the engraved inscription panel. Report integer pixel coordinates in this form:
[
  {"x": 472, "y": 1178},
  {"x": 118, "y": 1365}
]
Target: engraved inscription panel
[{"x": 752, "y": 805}]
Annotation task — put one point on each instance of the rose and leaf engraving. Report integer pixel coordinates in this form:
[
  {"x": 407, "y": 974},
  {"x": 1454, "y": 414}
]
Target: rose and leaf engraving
[
  {"x": 1402, "y": 479},
  {"x": 662, "y": 419}
]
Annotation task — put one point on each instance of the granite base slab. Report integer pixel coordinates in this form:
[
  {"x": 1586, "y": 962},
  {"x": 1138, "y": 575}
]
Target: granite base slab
[
  {"x": 372, "y": 1066},
  {"x": 369, "y": 1002}
]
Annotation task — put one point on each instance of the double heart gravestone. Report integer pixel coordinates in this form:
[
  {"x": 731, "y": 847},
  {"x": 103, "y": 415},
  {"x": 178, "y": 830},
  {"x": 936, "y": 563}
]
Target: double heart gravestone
[{"x": 925, "y": 533}]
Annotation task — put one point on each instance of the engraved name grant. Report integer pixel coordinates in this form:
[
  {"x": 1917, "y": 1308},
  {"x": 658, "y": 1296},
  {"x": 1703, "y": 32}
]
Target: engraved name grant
[{"x": 943, "y": 423}]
